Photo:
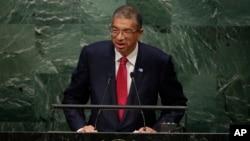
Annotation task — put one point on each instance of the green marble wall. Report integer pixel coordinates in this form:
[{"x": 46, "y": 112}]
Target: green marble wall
[{"x": 40, "y": 42}]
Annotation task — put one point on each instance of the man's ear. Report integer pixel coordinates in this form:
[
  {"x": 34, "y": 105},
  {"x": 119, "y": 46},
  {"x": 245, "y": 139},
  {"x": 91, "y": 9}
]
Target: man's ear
[{"x": 140, "y": 32}]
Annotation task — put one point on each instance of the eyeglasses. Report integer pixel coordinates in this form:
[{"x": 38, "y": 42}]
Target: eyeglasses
[{"x": 126, "y": 33}]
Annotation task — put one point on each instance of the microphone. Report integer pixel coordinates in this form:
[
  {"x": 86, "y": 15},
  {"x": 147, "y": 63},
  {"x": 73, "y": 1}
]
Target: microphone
[
  {"x": 105, "y": 93},
  {"x": 139, "y": 101}
]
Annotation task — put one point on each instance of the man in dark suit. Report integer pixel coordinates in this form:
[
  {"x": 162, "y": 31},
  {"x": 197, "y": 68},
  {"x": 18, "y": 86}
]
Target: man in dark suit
[{"x": 98, "y": 70}]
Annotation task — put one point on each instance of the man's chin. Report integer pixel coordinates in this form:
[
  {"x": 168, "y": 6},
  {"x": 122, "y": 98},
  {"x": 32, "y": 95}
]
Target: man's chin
[{"x": 121, "y": 51}]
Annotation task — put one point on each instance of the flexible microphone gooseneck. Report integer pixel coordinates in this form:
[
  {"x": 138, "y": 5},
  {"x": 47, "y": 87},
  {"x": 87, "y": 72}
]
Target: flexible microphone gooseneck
[
  {"x": 139, "y": 101},
  {"x": 105, "y": 93}
]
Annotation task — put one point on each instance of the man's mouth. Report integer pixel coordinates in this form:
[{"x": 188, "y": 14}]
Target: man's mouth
[{"x": 120, "y": 45}]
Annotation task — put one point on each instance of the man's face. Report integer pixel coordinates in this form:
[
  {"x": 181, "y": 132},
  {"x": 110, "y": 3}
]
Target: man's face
[{"x": 124, "y": 35}]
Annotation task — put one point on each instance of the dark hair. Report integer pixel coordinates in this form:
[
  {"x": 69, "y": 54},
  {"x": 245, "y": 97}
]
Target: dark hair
[{"x": 129, "y": 12}]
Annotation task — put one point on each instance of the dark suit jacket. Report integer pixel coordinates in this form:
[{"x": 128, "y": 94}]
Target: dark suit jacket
[{"x": 154, "y": 75}]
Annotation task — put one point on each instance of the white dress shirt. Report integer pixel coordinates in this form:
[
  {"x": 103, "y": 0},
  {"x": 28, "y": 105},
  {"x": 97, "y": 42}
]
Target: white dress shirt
[{"x": 130, "y": 64}]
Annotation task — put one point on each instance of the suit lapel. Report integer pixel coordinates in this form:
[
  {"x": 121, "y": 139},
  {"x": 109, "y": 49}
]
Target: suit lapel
[
  {"x": 138, "y": 76},
  {"x": 110, "y": 70}
]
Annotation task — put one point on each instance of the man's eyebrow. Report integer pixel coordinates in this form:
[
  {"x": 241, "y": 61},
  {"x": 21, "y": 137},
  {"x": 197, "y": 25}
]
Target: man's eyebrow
[{"x": 120, "y": 29}]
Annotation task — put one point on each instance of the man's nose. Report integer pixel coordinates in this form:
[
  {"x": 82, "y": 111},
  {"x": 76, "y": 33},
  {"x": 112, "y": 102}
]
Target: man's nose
[{"x": 120, "y": 35}]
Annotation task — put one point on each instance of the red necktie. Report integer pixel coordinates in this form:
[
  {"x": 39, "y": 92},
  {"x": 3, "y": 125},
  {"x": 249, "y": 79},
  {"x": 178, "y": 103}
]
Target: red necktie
[{"x": 121, "y": 85}]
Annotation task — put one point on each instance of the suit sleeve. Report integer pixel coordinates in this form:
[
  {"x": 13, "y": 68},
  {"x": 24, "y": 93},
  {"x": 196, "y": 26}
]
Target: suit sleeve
[
  {"x": 171, "y": 94},
  {"x": 77, "y": 93}
]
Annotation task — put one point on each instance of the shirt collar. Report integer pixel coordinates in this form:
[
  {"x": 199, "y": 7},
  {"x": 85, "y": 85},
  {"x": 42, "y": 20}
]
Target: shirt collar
[{"x": 131, "y": 57}]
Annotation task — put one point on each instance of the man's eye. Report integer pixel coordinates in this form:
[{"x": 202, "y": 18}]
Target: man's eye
[
  {"x": 115, "y": 30},
  {"x": 127, "y": 31}
]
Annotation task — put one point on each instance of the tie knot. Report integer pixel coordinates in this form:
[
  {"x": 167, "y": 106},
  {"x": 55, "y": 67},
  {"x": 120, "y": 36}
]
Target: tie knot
[{"x": 123, "y": 60}]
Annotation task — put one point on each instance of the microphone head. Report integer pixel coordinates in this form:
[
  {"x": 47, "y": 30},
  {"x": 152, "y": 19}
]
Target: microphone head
[
  {"x": 110, "y": 76},
  {"x": 132, "y": 74}
]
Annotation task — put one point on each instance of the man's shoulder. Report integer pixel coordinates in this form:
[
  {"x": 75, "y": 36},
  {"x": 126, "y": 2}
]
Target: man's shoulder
[
  {"x": 152, "y": 49},
  {"x": 100, "y": 47}
]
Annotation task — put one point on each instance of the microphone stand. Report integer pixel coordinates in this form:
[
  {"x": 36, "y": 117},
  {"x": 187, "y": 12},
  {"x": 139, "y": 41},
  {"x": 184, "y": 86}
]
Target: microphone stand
[
  {"x": 139, "y": 101},
  {"x": 105, "y": 93}
]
